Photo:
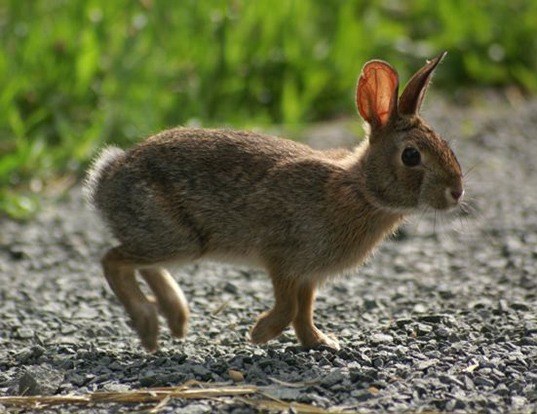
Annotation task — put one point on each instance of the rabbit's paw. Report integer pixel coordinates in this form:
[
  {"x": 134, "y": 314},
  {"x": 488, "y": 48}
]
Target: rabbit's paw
[
  {"x": 328, "y": 341},
  {"x": 178, "y": 326},
  {"x": 177, "y": 314},
  {"x": 313, "y": 338},
  {"x": 144, "y": 320},
  {"x": 268, "y": 326}
]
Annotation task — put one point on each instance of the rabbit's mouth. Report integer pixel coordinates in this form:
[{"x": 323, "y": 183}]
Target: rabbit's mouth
[
  {"x": 441, "y": 194},
  {"x": 446, "y": 203}
]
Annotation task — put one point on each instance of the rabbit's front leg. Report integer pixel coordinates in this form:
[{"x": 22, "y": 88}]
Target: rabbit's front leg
[
  {"x": 306, "y": 331},
  {"x": 272, "y": 323},
  {"x": 119, "y": 272}
]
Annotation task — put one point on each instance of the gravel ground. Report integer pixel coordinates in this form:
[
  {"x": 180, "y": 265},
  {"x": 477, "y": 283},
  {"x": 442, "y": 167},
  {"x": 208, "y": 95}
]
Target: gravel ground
[{"x": 442, "y": 318}]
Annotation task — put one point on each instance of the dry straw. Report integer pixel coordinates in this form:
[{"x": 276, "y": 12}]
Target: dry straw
[{"x": 248, "y": 394}]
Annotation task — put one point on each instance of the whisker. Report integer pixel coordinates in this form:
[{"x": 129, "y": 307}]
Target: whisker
[
  {"x": 423, "y": 213},
  {"x": 463, "y": 220},
  {"x": 464, "y": 210},
  {"x": 471, "y": 169},
  {"x": 469, "y": 209}
]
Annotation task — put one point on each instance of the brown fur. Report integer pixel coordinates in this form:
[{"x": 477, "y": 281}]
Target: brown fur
[{"x": 302, "y": 214}]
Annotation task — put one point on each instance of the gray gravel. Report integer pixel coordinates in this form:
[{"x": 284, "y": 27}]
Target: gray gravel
[{"x": 443, "y": 318}]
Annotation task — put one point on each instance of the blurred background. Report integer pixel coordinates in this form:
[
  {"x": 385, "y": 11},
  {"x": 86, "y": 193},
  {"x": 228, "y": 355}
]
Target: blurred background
[{"x": 77, "y": 74}]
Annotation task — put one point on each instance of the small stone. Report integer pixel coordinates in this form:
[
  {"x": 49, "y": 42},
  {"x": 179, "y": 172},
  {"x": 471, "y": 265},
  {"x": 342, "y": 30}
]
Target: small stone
[
  {"x": 455, "y": 404},
  {"x": 86, "y": 312},
  {"x": 317, "y": 400},
  {"x": 77, "y": 380},
  {"x": 197, "y": 408},
  {"x": 503, "y": 307},
  {"x": 528, "y": 341},
  {"x": 361, "y": 395},
  {"x": 370, "y": 304},
  {"x": 380, "y": 338},
  {"x": 519, "y": 306},
  {"x": 423, "y": 365},
  {"x": 378, "y": 362},
  {"x": 442, "y": 332},
  {"x": 40, "y": 380},
  {"x": 518, "y": 402},
  {"x": 17, "y": 253},
  {"x": 502, "y": 390},
  {"x": 483, "y": 382},
  {"x": 236, "y": 376},
  {"x": 200, "y": 370},
  {"x": 446, "y": 294},
  {"x": 332, "y": 378},
  {"x": 30, "y": 356},
  {"x": 231, "y": 288},
  {"x": 420, "y": 308},
  {"x": 431, "y": 318},
  {"x": 474, "y": 364},
  {"x": 115, "y": 387},
  {"x": 401, "y": 323},
  {"x": 24, "y": 333},
  {"x": 468, "y": 383},
  {"x": 282, "y": 393},
  {"x": 423, "y": 329},
  {"x": 450, "y": 380},
  {"x": 373, "y": 390},
  {"x": 149, "y": 379}
]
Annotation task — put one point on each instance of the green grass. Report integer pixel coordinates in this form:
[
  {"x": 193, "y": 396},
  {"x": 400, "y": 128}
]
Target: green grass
[{"x": 77, "y": 74}]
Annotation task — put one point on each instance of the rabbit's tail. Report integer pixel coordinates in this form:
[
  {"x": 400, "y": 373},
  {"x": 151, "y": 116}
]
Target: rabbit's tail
[{"x": 102, "y": 163}]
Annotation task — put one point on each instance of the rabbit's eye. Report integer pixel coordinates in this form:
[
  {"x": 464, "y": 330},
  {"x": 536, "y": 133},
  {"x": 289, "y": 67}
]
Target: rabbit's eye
[{"x": 411, "y": 157}]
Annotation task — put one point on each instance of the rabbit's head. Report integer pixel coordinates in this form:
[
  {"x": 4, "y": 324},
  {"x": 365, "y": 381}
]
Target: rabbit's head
[{"x": 406, "y": 165}]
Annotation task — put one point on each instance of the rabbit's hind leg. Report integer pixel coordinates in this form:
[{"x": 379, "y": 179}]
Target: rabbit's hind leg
[
  {"x": 306, "y": 331},
  {"x": 119, "y": 271},
  {"x": 171, "y": 299},
  {"x": 272, "y": 323}
]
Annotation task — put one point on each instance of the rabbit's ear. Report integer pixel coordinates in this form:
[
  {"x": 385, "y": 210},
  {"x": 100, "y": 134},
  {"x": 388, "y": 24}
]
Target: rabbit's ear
[
  {"x": 376, "y": 93},
  {"x": 412, "y": 97}
]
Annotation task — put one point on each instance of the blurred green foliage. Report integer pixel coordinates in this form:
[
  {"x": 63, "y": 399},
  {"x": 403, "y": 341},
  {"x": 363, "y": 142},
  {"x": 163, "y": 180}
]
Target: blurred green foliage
[{"x": 75, "y": 74}]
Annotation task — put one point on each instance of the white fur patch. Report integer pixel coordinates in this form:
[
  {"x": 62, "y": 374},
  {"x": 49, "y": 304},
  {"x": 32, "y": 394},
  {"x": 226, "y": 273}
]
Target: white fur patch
[{"x": 94, "y": 173}]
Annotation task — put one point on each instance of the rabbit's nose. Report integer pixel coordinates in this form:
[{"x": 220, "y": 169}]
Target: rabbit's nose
[{"x": 455, "y": 193}]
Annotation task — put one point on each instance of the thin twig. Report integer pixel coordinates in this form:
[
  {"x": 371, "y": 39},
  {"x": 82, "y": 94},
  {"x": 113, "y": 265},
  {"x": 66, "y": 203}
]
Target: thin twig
[{"x": 131, "y": 397}]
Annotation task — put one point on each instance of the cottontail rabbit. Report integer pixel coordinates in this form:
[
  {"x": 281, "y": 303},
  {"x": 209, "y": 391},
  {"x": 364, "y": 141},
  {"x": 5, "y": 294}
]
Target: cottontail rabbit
[{"x": 302, "y": 214}]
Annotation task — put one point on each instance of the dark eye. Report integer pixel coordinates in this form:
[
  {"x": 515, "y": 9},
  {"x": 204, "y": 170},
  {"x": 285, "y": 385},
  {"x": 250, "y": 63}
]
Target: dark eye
[{"x": 411, "y": 157}]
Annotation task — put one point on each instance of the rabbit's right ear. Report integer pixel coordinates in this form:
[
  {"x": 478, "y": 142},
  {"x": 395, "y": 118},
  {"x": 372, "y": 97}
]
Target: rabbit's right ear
[
  {"x": 414, "y": 92},
  {"x": 376, "y": 93}
]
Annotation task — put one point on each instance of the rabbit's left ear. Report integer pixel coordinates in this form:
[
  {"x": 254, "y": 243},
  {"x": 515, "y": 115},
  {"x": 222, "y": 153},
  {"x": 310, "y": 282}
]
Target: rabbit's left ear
[
  {"x": 412, "y": 97},
  {"x": 376, "y": 93}
]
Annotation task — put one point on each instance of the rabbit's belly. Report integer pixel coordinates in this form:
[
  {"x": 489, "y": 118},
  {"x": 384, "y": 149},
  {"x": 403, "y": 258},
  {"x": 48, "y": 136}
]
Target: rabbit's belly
[{"x": 238, "y": 258}]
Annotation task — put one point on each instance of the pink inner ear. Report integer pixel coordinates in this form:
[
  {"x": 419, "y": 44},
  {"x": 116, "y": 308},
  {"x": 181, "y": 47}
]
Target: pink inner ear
[
  {"x": 384, "y": 102},
  {"x": 377, "y": 93}
]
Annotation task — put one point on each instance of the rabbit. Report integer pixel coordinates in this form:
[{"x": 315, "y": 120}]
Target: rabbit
[{"x": 304, "y": 215}]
